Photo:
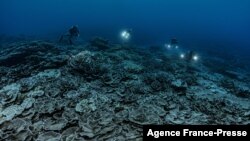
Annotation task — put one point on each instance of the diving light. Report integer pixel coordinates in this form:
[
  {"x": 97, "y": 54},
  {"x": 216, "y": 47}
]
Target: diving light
[
  {"x": 195, "y": 58},
  {"x": 168, "y": 46},
  {"x": 125, "y": 35},
  {"x": 182, "y": 56}
]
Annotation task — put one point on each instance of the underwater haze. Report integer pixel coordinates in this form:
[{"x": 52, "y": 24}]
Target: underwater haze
[
  {"x": 103, "y": 69},
  {"x": 194, "y": 22}
]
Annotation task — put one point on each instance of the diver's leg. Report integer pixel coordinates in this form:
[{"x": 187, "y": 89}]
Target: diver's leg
[{"x": 70, "y": 40}]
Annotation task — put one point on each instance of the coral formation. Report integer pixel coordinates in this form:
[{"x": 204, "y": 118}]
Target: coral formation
[
  {"x": 56, "y": 92},
  {"x": 87, "y": 63},
  {"x": 98, "y": 43}
]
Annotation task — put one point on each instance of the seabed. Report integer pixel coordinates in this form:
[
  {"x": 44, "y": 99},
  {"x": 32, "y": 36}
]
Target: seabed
[{"x": 103, "y": 91}]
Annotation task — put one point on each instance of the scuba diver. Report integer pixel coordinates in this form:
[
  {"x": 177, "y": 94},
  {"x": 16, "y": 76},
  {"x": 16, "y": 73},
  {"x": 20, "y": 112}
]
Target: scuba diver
[
  {"x": 174, "y": 41},
  {"x": 190, "y": 56},
  {"x": 73, "y": 32},
  {"x": 173, "y": 44}
]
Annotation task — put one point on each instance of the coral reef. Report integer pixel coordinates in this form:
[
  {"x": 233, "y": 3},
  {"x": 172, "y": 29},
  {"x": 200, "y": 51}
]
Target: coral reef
[
  {"x": 98, "y": 43},
  {"x": 87, "y": 63},
  {"x": 104, "y": 91}
]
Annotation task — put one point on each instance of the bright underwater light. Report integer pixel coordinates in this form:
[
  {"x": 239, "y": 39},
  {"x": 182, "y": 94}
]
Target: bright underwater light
[
  {"x": 195, "y": 58},
  {"x": 168, "y": 46},
  {"x": 125, "y": 35},
  {"x": 182, "y": 56}
]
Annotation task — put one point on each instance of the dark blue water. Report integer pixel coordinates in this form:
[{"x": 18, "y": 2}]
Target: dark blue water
[{"x": 199, "y": 24}]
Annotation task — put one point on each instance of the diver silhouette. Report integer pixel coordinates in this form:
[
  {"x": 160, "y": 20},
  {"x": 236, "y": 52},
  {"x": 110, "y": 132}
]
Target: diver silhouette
[
  {"x": 173, "y": 42},
  {"x": 73, "y": 32}
]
